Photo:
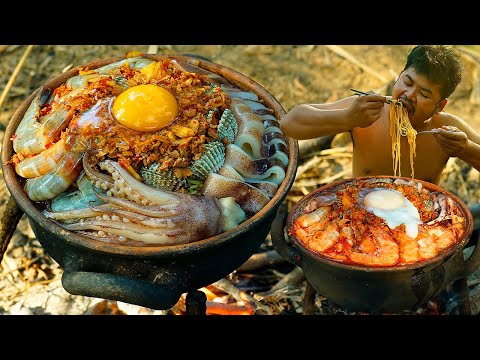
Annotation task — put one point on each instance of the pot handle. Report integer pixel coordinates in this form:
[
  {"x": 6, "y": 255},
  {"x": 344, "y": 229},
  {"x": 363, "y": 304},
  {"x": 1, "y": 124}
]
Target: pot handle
[
  {"x": 116, "y": 287},
  {"x": 472, "y": 263},
  {"x": 280, "y": 244}
]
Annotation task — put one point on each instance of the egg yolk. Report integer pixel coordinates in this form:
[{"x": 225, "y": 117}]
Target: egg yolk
[
  {"x": 395, "y": 209},
  {"x": 384, "y": 199},
  {"x": 145, "y": 108}
]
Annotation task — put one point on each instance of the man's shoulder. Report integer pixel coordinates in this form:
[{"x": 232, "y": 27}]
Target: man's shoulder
[
  {"x": 447, "y": 119},
  {"x": 453, "y": 120}
]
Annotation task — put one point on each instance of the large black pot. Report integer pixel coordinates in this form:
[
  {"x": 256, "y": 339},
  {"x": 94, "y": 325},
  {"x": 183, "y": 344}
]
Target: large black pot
[
  {"x": 154, "y": 277},
  {"x": 370, "y": 289}
]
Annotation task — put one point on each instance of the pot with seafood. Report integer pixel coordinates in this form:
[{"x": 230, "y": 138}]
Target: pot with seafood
[
  {"x": 148, "y": 176},
  {"x": 378, "y": 244}
]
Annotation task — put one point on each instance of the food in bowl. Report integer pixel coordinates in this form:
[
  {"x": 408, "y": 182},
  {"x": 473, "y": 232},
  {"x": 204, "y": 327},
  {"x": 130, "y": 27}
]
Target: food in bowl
[
  {"x": 149, "y": 152},
  {"x": 379, "y": 222}
]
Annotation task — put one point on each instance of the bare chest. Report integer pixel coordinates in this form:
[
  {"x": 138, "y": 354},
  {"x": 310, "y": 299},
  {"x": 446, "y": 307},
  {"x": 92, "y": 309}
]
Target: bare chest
[{"x": 372, "y": 154}]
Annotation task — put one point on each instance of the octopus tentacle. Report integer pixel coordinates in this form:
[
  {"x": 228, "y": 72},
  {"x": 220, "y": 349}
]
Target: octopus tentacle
[
  {"x": 111, "y": 212},
  {"x": 77, "y": 213},
  {"x": 149, "y": 215},
  {"x": 271, "y": 123},
  {"x": 235, "y": 92},
  {"x": 135, "y": 232},
  {"x": 229, "y": 171},
  {"x": 98, "y": 179},
  {"x": 252, "y": 170},
  {"x": 148, "y": 210},
  {"x": 248, "y": 197},
  {"x": 172, "y": 224},
  {"x": 250, "y": 129},
  {"x": 274, "y": 137},
  {"x": 256, "y": 106},
  {"x": 276, "y": 151},
  {"x": 102, "y": 236},
  {"x": 267, "y": 187},
  {"x": 126, "y": 186},
  {"x": 442, "y": 201}
]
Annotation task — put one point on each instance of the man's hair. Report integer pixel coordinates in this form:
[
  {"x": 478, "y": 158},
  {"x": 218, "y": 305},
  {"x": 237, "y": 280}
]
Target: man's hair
[{"x": 441, "y": 65}]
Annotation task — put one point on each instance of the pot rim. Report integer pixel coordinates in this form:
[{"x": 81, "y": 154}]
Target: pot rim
[
  {"x": 34, "y": 214},
  {"x": 430, "y": 263}
]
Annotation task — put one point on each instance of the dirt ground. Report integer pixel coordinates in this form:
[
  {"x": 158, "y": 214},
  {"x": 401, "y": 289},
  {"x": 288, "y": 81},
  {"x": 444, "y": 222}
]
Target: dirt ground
[{"x": 292, "y": 74}]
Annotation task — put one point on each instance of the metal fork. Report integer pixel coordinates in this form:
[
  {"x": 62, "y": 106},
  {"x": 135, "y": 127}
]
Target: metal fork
[
  {"x": 428, "y": 132},
  {"x": 433, "y": 131}
]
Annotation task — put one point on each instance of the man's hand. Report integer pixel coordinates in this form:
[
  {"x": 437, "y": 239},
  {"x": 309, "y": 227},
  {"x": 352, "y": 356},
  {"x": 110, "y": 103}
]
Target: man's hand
[
  {"x": 452, "y": 140},
  {"x": 366, "y": 109}
]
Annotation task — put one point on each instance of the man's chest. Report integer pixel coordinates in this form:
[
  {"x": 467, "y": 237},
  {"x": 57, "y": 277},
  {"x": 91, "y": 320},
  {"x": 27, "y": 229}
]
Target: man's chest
[{"x": 373, "y": 154}]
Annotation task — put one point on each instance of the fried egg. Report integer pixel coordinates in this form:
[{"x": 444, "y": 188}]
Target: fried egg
[
  {"x": 145, "y": 107},
  {"x": 394, "y": 208}
]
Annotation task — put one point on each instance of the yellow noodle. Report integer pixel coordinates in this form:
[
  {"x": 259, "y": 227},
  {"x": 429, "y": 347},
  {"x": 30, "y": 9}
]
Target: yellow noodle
[{"x": 400, "y": 126}]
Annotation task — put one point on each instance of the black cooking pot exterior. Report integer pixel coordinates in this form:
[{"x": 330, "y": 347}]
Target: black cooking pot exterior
[
  {"x": 370, "y": 289},
  {"x": 153, "y": 276}
]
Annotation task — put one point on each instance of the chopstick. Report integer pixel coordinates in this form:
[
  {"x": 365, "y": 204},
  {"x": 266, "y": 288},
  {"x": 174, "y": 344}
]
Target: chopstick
[{"x": 358, "y": 92}]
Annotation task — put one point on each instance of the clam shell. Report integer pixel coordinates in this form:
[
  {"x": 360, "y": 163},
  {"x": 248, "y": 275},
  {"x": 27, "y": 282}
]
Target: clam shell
[
  {"x": 227, "y": 126},
  {"x": 211, "y": 161},
  {"x": 122, "y": 81},
  {"x": 153, "y": 176},
  {"x": 212, "y": 87},
  {"x": 211, "y": 113}
]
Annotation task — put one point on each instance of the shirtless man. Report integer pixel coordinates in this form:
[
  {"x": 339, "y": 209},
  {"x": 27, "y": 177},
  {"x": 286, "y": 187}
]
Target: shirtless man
[{"x": 430, "y": 75}]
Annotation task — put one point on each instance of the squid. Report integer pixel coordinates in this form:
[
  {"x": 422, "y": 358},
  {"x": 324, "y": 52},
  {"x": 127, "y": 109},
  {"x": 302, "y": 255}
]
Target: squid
[
  {"x": 139, "y": 213},
  {"x": 232, "y": 170}
]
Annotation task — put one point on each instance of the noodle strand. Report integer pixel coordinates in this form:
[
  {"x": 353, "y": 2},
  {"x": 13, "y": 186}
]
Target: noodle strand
[{"x": 400, "y": 126}]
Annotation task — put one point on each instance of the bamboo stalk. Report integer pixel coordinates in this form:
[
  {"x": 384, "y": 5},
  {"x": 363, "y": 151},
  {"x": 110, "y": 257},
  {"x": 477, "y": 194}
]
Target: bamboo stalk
[{"x": 15, "y": 74}]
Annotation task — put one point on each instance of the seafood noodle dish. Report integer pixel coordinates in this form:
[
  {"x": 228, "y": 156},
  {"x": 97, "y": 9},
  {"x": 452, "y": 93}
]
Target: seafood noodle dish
[
  {"x": 379, "y": 222},
  {"x": 149, "y": 151}
]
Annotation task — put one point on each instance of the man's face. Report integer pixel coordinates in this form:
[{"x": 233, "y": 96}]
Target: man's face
[{"x": 419, "y": 96}]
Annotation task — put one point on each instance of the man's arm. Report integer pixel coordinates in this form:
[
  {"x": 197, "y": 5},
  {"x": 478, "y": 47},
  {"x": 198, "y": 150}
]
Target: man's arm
[
  {"x": 458, "y": 139},
  {"x": 308, "y": 121},
  {"x": 471, "y": 154}
]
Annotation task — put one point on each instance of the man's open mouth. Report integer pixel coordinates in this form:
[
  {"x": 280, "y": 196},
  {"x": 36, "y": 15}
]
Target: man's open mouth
[{"x": 407, "y": 106}]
